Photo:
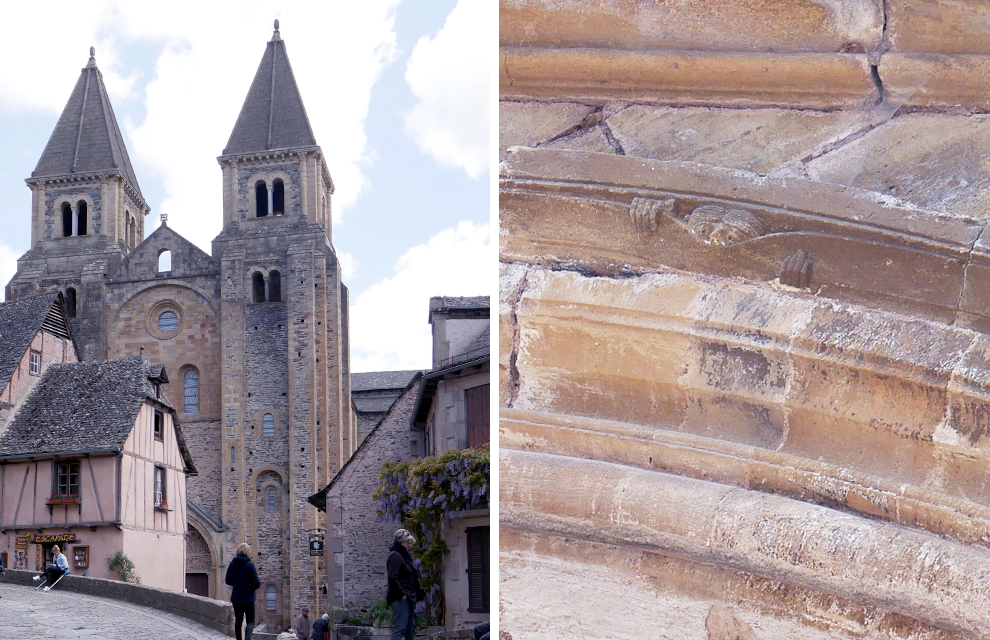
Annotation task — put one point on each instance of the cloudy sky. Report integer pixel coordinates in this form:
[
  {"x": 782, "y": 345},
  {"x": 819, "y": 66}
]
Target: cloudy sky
[{"x": 397, "y": 92}]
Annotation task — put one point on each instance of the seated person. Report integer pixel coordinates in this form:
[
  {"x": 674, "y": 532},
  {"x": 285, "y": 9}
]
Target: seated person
[{"x": 55, "y": 571}]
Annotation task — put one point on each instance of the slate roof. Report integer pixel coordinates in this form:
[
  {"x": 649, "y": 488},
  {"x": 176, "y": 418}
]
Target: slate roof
[
  {"x": 20, "y": 320},
  {"x": 273, "y": 115},
  {"x": 372, "y": 380},
  {"x": 87, "y": 138},
  {"x": 373, "y": 405},
  {"x": 442, "y": 303},
  {"x": 85, "y": 407}
]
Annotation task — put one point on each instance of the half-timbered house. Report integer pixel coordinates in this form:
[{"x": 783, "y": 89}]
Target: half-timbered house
[{"x": 92, "y": 459}]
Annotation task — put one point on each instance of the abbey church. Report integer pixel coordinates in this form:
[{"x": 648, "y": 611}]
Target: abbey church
[{"x": 254, "y": 336}]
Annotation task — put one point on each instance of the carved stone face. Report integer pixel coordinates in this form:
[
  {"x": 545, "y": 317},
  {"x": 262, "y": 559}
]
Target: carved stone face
[{"x": 720, "y": 226}]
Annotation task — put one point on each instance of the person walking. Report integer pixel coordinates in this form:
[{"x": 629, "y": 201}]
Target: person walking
[
  {"x": 302, "y": 623},
  {"x": 403, "y": 586},
  {"x": 243, "y": 577}
]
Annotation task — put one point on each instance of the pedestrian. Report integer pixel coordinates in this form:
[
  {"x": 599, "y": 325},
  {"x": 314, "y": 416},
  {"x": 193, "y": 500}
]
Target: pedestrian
[
  {"x": 243, "y": 577},
  {"x": 56, "y": 570},
  {"x": 482, "y": 631},
  {"x": 403, "y": 586},
  {"x": 302, "y": 623},
  {"x": 321, "y": 628}
]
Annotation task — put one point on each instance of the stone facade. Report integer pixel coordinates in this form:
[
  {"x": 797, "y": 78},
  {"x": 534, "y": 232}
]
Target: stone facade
[
  {"x": 260, "y": 325},
  {"x": 359, "y": 542},
  {"x": 742, "y": 319}
]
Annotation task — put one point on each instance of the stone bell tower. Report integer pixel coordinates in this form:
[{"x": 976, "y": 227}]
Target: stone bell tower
[
  {"x": 287, "y": 424},
  {"x": 87, "y": 211}
]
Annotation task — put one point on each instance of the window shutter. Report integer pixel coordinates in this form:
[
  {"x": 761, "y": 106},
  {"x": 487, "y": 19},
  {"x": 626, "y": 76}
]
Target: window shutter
[
  {"x": 478, "y": 431},
  {"x": 478, "y": 584}
]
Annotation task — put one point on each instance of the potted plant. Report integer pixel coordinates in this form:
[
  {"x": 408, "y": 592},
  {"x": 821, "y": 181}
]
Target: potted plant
[{"x": 381, "y": 616}]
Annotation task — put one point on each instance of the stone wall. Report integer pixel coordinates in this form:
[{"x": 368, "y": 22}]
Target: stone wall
[
  {"x": 359, "y": 541},
  {"x": 743, "y": 270}
]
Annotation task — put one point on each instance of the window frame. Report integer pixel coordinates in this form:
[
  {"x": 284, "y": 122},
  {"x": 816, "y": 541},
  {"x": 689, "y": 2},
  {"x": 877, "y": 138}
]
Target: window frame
[
  {"x": 160, "y": 484},
  {"x": 185, "y": 389},
  {"x": 34, "y": 363},
  {"x": 264, "y": 434},
  {"x": 270, "y": 500},
  {"x": 271, "y": 598},
  {"x": 159, "y": 425},
  {"x": 67, "y": 469}
]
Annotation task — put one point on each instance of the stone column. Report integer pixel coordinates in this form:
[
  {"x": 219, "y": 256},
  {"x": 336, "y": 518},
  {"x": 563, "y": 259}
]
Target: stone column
[
  {"x": 75, "y": 220},
  {"x": 268, "y": 296},
  {"x": 271, "y": 210}
]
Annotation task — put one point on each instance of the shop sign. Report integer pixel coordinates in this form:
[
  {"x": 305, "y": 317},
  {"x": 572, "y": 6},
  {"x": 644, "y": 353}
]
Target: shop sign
[{"x": 60, "y": 537}]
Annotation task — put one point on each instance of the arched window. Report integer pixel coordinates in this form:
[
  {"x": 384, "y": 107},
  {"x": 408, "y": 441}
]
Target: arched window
[
  {"x": 268, "y": 425},
  {"x": 83, "y": 211},
  {"x": 261, "y": 198},
  {"x": 133, "y": 232},
  {"x": 164, "y": 261},
  {"x": 270, "y": 601},
  {"x": 127, "y": 231},
  {"x": 278, "y": 197},
  {"x": 66, "y": 220},
  {"x": 274, "y": 287},
  {"x": 258, "y": 287},
  {"x": 190, "y": 390},
  {"x": 271, "y": 499},
  {"x": 70, "y": 302}
]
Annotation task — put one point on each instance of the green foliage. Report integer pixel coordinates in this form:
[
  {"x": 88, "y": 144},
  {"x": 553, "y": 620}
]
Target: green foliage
[
  {"x": 425, "y": 493},
  {"x": 124, "y": 567},
  {"x": 381, "y": 614}
]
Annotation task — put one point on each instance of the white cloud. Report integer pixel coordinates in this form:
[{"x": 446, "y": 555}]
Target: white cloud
[
  {"x": 348, "y": 265},
  {"x": 392, "y": 314},
  {"x": 8, "y": 264},
  {"x": 209, "y": 54},
  {"x": 448, "y": 75},
  {"x": 204, "y": 73}
]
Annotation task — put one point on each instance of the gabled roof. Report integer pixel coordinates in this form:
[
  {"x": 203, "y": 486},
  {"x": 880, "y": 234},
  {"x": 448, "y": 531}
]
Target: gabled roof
[
  {"x": 319, "y": 499},
  {"x": 374, "y": 380},
  {"x": 87, "y": 138},
  {"x": 273, "y": 115},
  {"x": 20, "y": 320},
  {"x": 187, "y": 258},
  {"x": 86, "y": 407}
]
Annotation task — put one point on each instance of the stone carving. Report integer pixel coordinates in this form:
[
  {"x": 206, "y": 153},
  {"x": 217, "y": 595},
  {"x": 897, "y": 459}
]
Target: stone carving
[
  {"x": 721, "y": 226},
  {"x": 645, "y": 213},
  {"x": 795, "y": 271}
]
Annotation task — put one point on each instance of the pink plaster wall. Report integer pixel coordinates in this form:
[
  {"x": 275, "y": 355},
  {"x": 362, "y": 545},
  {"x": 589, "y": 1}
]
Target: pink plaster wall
[{"x": 25, "y": 488}]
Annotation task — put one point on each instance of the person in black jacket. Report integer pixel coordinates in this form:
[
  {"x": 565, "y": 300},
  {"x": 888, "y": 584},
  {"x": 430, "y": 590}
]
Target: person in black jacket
[
  {"x": 243, "y": 577},
  {"x": 403, "y": 586}
]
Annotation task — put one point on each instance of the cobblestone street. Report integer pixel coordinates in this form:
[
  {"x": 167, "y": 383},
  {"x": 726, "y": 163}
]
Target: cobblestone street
[{"x": 26, "y": 614}]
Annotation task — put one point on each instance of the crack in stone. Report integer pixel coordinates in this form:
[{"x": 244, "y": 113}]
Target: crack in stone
[
  {"x": 516, "y": 339},
  {"x": 610, "y": 137},
  {"x": 588, "y": 121}
]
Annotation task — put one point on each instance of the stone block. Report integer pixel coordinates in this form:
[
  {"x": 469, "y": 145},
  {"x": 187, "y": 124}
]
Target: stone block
[{"x": 529, "y": 124}]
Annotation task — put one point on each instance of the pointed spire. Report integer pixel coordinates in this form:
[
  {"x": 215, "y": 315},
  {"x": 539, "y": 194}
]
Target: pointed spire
[
  {"x": 87, "y": 138},
  {"x": 273, "y": 115}
]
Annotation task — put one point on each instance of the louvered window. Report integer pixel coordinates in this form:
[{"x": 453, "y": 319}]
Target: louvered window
[
  {"x": 190, "y": 391},
  {"x": 271, "y": 499},
  {"x": 478, "y": 587},
  {"x": 270, "y": 598},
  {"x": 478, "y": 431},
  {"x": 268, "y": 425}
]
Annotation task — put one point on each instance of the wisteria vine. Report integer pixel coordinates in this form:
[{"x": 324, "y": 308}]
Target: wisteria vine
[{"x": 423, "y": 495}]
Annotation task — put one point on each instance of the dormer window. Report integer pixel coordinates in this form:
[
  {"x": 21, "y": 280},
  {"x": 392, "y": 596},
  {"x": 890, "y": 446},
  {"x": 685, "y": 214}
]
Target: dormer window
[{"x": 34, "y": 366}]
